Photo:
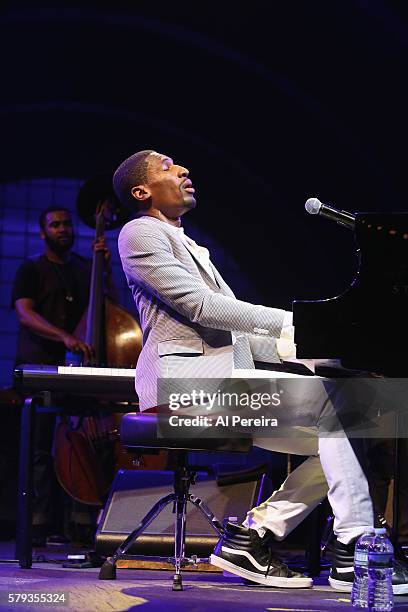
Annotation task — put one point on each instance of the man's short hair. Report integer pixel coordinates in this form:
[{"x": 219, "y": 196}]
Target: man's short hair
[
  {"x": 50, "y": 209},
  {"x": 131, "y": 172}
]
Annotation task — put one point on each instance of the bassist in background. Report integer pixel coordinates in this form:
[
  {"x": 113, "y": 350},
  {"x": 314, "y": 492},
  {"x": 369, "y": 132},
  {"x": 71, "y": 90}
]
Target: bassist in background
[{"x": 50, "y": 295}]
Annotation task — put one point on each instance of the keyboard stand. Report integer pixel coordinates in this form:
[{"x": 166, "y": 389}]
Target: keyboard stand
[{"x": 41, "y": 402}]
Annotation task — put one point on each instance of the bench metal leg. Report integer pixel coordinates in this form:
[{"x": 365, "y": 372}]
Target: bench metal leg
[
  {"x": 108, "y": 569},
  {"x": 179, "y": 540},
  {"x": 204, "y": 509},
  {"x": 183, "y": 478}
]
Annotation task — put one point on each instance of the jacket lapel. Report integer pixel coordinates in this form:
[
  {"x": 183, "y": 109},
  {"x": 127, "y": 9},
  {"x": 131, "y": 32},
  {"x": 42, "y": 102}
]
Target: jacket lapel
[{"x": 202, "y": 270}]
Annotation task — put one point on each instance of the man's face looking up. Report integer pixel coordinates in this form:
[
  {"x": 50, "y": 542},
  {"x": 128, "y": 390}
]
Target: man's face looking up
[{"x": 168, "y": 187}]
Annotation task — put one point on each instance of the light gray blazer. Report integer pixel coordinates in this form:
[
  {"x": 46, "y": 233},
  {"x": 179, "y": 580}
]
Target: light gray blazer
[{"x": 185, "y": 316}]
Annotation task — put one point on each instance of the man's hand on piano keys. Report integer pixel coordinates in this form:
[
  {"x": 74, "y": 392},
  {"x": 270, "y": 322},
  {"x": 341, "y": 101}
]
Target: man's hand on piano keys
[
  {"x": 77, "y": 346},
  {"x": 286, "y": 346}
]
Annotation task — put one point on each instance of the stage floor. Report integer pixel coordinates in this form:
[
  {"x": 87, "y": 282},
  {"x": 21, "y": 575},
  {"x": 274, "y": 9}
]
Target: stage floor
[{"x": 148, "y": 590}]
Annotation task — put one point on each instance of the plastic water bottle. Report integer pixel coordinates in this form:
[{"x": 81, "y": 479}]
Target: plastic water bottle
[
  {"x": 380, "y": 567},
  {"x": 359, "y": 593}
]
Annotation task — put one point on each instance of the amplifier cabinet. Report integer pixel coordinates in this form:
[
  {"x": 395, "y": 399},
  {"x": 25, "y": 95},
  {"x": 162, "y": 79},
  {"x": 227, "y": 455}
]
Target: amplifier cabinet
[{"x": 134, "y": 492}]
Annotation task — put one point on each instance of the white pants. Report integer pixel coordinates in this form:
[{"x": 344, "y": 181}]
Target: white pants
[{"x": 332, "y": 469}]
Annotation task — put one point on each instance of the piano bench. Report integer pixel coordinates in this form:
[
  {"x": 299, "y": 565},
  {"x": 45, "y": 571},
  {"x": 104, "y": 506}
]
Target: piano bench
[{"x": 140, "y": 430}]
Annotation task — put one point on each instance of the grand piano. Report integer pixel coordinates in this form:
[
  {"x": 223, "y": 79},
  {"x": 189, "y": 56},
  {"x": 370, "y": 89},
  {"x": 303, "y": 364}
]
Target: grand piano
[{"x": 366, "y": 327}]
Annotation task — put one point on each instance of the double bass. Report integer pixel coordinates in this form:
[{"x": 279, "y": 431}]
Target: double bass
[{"x": 88, "y": 450}]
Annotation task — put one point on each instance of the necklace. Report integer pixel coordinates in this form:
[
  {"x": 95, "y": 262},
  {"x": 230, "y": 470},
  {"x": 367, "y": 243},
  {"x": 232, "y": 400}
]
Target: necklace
[{"x": 68, "y": 293}]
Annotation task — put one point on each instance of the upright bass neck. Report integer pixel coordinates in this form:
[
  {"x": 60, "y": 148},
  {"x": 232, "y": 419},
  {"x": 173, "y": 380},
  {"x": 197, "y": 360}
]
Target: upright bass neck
[{"x": 95, "y": 316}]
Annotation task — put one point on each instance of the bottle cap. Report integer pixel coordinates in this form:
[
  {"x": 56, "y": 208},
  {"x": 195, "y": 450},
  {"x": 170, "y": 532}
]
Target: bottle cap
[{"x": 380, "y": 530}]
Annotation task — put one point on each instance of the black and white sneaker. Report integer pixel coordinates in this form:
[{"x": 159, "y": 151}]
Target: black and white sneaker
[
  {"x": 341, "y": 575},
  {"x": 242, "y": 552}
]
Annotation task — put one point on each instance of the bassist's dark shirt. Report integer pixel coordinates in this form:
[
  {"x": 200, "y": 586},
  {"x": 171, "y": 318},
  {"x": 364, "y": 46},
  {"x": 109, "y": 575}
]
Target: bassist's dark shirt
[{"x": 60, "y": 293}]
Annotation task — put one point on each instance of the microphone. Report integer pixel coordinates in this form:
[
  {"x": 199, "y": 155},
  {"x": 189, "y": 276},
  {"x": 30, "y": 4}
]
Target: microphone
[{"x": 342, "y": 217}]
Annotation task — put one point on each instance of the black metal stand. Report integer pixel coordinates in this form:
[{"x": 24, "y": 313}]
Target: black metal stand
[
  {"x": 40, "y": 402},
  {"x": 314, "y": 537},
  {"x": 396, "y": 492},
  {"x": 24, "y": 552},
  {"x": 183, "y": 479}
]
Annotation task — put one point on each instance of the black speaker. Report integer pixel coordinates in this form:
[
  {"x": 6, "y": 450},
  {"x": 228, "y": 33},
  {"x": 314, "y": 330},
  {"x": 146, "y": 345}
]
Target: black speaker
[{"x": 134, "y": 492}]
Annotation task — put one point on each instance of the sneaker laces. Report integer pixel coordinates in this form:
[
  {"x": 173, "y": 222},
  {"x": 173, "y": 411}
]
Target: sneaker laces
[
  {"x": 269, "y": 562},
  {"x": 277, "y": 562}
]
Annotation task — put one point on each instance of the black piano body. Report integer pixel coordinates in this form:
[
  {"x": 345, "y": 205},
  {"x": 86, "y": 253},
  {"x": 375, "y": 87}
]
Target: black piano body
[{"x": 366, "y": 327}]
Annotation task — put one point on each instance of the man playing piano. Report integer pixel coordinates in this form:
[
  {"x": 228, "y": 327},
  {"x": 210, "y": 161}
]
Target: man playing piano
[{"x": 193, "y": 325}]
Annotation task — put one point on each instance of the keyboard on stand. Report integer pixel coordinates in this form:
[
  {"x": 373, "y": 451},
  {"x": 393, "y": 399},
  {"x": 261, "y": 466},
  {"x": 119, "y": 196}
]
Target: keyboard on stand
[{"x": 113, "y": 384}]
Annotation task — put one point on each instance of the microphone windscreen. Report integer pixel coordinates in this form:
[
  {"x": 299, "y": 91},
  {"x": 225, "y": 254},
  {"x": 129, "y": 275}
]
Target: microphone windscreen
[{"x": 313, "y": 206}]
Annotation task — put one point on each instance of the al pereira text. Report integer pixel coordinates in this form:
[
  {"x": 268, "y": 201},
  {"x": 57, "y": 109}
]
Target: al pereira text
[{"x": 226, "y": 420}]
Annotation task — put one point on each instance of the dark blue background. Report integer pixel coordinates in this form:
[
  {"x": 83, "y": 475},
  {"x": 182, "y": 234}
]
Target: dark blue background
[{"x": 267, "y": 104}]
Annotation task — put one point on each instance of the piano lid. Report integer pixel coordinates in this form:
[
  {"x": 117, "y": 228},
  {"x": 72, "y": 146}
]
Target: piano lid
[{"x": 366, "y": 327}]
